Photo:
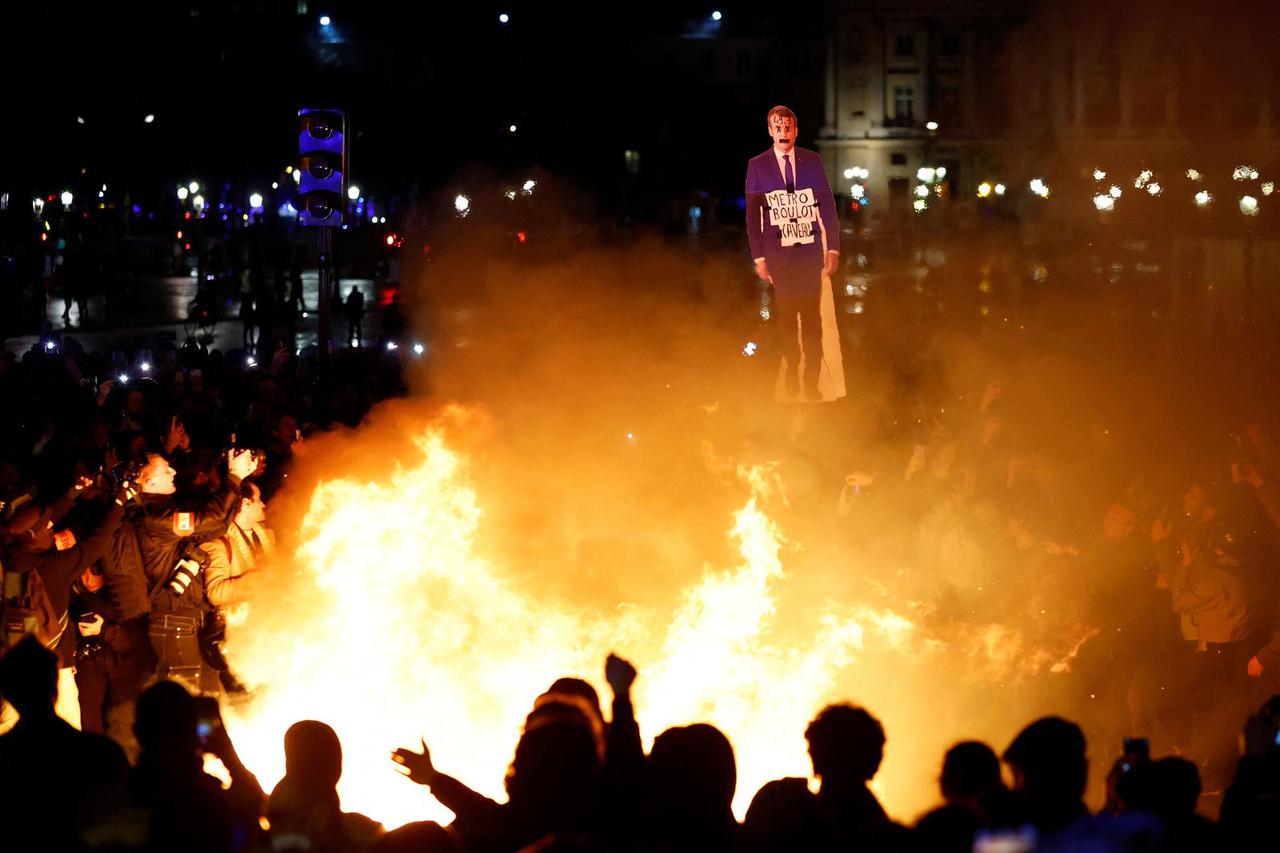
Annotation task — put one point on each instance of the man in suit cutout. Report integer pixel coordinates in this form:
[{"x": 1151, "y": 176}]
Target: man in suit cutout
[{"x": 791, "y": 217}]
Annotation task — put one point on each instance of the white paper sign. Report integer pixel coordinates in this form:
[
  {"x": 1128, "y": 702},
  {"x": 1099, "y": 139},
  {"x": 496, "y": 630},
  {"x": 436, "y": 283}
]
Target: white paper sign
[{"x": 794, "y": 214}]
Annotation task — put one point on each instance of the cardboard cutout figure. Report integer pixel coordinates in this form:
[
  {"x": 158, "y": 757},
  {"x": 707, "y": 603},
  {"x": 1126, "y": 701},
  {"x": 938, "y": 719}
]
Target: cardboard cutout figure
[{"x": 795, "y": 241}]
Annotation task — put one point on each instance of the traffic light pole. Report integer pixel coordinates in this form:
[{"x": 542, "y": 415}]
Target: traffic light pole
[{"x": 324, "y": 238}]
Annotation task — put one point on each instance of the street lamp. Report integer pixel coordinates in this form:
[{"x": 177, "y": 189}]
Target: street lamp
[
  {"x": 504, "y": 18},
  {"x": 325, "y": 20},
  {"x": 353, "y": 192},
  {"x": 462, "y": 204},
  {"x": 255, "y": 200},
  {"x": 193, "y": 187},
  {"x": 183, "y": 192},
  {"x": 148, "y": 118},
  {"x": 67, "y": 198}
]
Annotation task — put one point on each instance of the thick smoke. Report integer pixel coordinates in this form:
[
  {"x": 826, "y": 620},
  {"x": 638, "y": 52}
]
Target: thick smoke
[{"x": 611, "y": 421}]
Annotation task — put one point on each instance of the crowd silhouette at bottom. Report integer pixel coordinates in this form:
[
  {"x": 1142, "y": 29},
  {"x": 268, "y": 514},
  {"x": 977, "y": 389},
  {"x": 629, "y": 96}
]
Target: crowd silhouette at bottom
[{"x": 579, "y": 783}]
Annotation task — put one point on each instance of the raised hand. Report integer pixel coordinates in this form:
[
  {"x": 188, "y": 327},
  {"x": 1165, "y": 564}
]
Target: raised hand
[
  {"x": 619, "y": 673},
  {"x": 416, "y": 765}
]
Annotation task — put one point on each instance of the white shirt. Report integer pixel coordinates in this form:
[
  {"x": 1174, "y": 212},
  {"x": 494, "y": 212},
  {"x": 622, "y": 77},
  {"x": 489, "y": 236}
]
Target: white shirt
[{"x": 778, "y": 153}]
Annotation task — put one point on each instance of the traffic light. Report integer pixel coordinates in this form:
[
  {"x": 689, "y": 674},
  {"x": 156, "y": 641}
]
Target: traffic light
[{"x": 322, "y": 163}]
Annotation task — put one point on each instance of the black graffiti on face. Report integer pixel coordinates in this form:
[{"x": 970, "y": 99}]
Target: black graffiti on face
[{"x": 783, "y": 128}]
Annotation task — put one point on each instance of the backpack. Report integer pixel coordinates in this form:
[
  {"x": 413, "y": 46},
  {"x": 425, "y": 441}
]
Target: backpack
[{"x": 27, "y": 610}]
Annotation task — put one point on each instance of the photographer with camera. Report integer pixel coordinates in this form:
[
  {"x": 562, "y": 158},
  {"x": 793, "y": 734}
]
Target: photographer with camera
[
  {"x": 167, "y": 539},
  {"x": 40, "y": 564}
]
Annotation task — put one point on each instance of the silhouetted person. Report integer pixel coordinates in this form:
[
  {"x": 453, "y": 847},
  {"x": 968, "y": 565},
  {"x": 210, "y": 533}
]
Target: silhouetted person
[
  {"x": 783, "y": 816},
  {"x": 296, "y": 295},
  {"x": 970, "y": 778},
  {"x": 305, "y": 802},
  {"x": 1251, "y": 808},
  {"x": 59, "y": 782},
  {"x": 425, "y": 836},
  {"x": 248, "y": 319},
  {"x": 188, "y": 808},
  {"x": 353, "y": 310},
  {"x": 1169, "y": 789},
  {"x": 846, "y": 745},
  {"x": 553, "y": 784},
  {"x": 691, "y": 776},
  {"x": 1049, "y": 773}
]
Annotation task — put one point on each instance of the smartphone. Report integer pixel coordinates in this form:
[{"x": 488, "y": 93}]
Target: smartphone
[
  {"x": 1137, "y": 748},
  {"x": 208, "y": 719}
]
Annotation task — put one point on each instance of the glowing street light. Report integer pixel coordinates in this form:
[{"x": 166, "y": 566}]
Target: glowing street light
[
  {"x": 325, "y": 20},
  {"x": 1098, "y": 174},
  {"x": 193, "y": 187},
  {"x": 528, "y": 186},
  {"x": 462, "y": 204},
  {"x": 716, "y": 16},
  {"x": 149, "y": 118},
  {"x": 418, "y": 349},
  {"x": 198, "y": 202},
  {"x": 922, "y": 191},
  {"x": 183, "y": 192},
  {"x": 925, "y": 174},
  {"x": 984, "y": 189},
  {"x": 1154, "y": 188},
  {"x": 848, "y": 174},
  {"x": 511, "y": 129},
  {"x": 1000, "y": 189},
  {"x": 255, "y": 200},
  {"x": 858, "y": 191},
  {"x": 1115, "y": 191},
  {"x": 353, "y": 192},
  {"x": 1193, "y": 174},
  {"x": 1039, "y": 187},
  {"x": 1203, "y": 198},
  {"x": 79, "y": 119},
  {"x": 67, "y": 198},
  {"x": 504, "y": 18},
  {"x": 1104, "y": 202},
  {"x": 1249, "y": 205},
  {"x": 919, "y": 205},
  {"x": 1268, "y": 188},
  {"x": 931, "y": 126}
]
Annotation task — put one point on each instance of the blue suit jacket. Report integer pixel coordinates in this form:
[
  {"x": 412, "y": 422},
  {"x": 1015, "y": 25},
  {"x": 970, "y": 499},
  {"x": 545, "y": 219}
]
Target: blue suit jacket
[{"x": 776, "y": 218}]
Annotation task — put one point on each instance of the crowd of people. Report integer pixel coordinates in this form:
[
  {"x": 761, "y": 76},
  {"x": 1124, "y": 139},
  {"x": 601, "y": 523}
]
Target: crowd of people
[{"x": 136, "y": 488}]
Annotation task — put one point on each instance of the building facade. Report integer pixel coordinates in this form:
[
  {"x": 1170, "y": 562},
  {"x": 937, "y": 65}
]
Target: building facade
[{"x": 1006, "y": 91}]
